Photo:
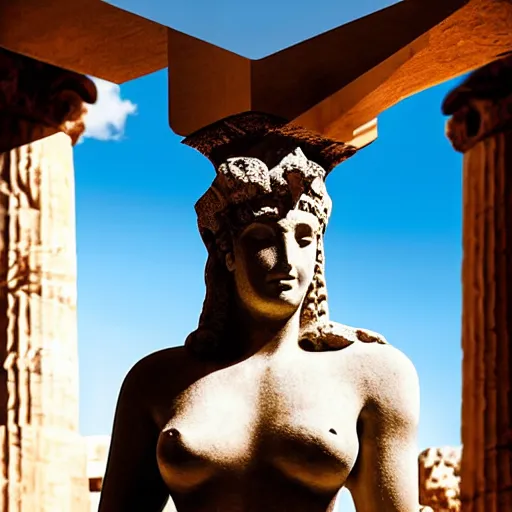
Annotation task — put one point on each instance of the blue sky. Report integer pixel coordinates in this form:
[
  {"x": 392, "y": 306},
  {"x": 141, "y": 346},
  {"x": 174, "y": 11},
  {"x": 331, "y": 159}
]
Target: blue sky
[
  {"x": 253, "y": 29},
  {"x": 393, "y": 246}
]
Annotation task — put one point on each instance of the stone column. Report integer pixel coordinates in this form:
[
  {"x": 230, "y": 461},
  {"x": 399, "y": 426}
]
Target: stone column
[
  {"x": 42, "y": 457},
  {"x": 481, "y": 128}
]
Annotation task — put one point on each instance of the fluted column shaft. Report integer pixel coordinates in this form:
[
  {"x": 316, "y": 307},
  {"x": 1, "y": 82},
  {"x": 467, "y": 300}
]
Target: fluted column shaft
[
  {"x": 481, "y": 128},
  {"x": 42, "y": 457}
]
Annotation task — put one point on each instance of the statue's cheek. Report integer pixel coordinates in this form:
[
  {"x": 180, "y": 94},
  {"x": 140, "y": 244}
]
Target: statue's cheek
[{"x": 266, "y": 259}]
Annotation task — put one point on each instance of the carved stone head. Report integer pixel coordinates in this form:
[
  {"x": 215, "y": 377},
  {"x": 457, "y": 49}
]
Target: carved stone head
[{"x": 262, "y": 221}]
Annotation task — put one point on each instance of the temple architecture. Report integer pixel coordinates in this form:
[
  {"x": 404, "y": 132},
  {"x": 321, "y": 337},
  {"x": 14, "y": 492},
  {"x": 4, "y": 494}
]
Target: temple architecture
[
  {"x": 42, "y": 456},
  {"x": 43, "y": 92},
  {"x": 481, "y": 128},
  {"x": 97, "y": 454}
]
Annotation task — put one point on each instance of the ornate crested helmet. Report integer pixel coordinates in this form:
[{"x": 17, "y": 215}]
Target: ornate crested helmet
[
  {"x": 245, "y": 189},
  {"x": 265, "y": 167},
  {"x": 262, "y": 170}
]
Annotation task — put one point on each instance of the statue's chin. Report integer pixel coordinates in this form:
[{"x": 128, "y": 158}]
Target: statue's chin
[
  {"x": 282, "y": 295},
  {"x": 276, "y": 308}
]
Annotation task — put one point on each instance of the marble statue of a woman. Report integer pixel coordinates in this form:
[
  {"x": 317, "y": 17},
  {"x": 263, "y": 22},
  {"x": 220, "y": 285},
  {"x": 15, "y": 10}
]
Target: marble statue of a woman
[{"x": 269, "y": 405}]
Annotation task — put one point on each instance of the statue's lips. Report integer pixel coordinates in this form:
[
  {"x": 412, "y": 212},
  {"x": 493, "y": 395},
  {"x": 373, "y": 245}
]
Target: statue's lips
[{"x": 282, "y": 281}]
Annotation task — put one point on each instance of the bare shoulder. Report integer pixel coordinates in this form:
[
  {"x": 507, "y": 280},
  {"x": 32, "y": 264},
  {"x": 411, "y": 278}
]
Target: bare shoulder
[
  {"x": 155, "y": 362},
  {"x": 150, "y": 369},
  {"x": 386, "y": 378},
  {"x": 391, "y": 384},
  {"x": 154, "y": 380},
  {"x": 390, "y": 364}
]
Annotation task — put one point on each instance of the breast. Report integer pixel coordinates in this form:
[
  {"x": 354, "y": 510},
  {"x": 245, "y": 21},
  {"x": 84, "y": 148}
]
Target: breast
[
  {"x": 230, "y": 426},
  {"x": 208, "y": 432},
  {"x": 316, "y": 457},
  {"x": 181, "y": 467}
]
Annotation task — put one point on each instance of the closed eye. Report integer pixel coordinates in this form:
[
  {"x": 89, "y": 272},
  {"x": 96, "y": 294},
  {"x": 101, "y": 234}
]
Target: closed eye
[
  {"x": 304, "y": 235},
  {"x": 304, "y": 241}
]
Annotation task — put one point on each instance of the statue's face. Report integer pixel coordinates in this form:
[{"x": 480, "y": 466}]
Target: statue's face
[{"x": 273, "y": 263}]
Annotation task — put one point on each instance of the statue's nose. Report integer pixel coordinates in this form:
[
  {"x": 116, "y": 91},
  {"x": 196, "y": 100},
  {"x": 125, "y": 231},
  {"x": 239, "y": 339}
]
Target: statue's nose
[{"x": 285, "y": 255}]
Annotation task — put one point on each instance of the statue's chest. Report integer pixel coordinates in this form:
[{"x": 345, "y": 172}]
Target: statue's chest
[
  {"x": 258, "y": 393},
  {"x": 256, "y": 410}
]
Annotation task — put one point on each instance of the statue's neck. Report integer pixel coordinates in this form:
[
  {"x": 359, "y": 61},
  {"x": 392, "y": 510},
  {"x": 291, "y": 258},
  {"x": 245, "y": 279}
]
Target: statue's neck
[{"x": 266, "y": 335}]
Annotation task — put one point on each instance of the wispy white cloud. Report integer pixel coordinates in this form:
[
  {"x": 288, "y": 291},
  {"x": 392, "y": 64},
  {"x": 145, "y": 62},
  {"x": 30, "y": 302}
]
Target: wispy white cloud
[{"x": 106, "y": 119}]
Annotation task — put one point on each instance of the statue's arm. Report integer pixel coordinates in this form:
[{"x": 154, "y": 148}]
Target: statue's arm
[
  {"x": 385, "y": 477},
  {"x": 132, "y": 481}
]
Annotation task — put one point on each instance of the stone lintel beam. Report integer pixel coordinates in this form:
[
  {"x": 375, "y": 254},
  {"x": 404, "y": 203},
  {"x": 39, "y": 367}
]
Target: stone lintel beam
[
  {"x": 339, "y": 81},
  {"x": 346, "y": 77},
  {"x": 481, "y": 128},
  {"x": 89, "y": 37},
  {"x": 38, "y": 100}
]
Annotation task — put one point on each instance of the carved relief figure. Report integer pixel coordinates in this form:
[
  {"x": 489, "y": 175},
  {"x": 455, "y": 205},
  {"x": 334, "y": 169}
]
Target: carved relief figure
[{"x": 269, "y": 405}]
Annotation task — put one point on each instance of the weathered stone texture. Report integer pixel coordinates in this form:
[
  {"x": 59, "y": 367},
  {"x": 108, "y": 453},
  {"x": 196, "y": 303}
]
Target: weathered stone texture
[
  {"x": 42, "y": 456},
  {"x": 37, "y": 100},
  {"x": 487, "y": 328},
  {"x": 439, "y": 475},
  {"x": 481, "y": 127}
]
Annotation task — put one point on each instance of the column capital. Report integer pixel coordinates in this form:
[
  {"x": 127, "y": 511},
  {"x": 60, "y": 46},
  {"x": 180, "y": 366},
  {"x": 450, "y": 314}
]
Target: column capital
[
  {"x": 267, "y": 137},
  {"x": 481, "y": 106},
  {"x": 43, "y": 96}
]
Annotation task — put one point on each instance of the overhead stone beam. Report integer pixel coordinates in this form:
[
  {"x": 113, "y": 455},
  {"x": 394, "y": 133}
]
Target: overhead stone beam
[
  {"x": 335, "y": 84},
  {"x": 89, "y": 37},
  {"x": 338, "y": 82}
]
